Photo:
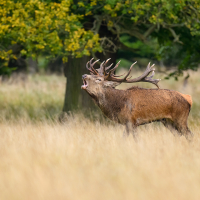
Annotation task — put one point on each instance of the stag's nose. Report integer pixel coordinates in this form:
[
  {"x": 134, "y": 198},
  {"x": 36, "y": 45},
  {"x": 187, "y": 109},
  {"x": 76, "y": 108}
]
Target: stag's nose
[{"x": 84, "y": 76}]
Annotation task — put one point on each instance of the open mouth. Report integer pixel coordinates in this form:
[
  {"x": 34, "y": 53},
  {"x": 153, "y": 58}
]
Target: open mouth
[{"x": 84, "y": 86}]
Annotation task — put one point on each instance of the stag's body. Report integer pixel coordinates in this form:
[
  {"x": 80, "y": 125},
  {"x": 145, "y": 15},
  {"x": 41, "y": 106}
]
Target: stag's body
[{"x": 137, "y": 106}]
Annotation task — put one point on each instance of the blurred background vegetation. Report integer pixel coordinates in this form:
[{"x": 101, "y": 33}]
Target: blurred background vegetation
[{"x": 59, "y": 36}]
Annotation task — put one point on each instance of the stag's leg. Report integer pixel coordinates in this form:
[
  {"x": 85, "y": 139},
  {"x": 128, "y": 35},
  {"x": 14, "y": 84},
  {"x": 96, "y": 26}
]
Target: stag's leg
[
  {"x": 184, "y": 130},
  {"x": 187, "y": 133},
  {"x": 181, "y": 121},
  {"x": 126, "y": 131},
  {"x": 130, "y": 127},
  {"x": 169, "y": 124},
  {"x": 181, "y": 124},
  {"x": 134, "y": 131},
  {"x": 178, "y": 126}
]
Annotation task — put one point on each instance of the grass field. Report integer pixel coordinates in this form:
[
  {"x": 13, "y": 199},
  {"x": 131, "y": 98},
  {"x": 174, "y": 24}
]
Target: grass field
[{"x": 90, "y": 160}]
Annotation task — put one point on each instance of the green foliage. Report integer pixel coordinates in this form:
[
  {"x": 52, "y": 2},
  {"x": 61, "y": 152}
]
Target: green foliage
[
  {"x": 43, "y": 27},
  {"x": 62, "y": 27},
  {"x": 140, "y": 49},
  {"x": 185, "y": 54},
  {"x": 174, "y": 24}
]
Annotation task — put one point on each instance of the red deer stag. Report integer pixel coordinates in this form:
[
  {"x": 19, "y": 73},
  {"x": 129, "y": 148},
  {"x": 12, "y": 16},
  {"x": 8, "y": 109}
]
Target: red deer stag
[{"x": 136, "y": 106}]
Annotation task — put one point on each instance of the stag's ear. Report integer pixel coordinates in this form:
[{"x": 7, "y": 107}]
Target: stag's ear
[{"x": 111, "y": 84}]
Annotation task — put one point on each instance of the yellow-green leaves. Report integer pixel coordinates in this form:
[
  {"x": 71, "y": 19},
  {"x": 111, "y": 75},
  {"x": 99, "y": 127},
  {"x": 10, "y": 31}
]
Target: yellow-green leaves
[{"x": 43, "y": 28}]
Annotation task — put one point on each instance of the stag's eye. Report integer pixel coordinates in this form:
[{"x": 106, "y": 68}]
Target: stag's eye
[{"x": 98, "y": 79}]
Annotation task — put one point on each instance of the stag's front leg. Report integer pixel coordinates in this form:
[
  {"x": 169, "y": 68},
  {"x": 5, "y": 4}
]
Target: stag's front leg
[
  {"x": 130, "y": 128},
  {"x": 126, "y": 131}
]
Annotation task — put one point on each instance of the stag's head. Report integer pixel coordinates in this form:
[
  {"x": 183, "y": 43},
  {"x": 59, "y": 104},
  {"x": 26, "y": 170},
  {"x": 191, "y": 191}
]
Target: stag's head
[{"x": 104, "y": 77}]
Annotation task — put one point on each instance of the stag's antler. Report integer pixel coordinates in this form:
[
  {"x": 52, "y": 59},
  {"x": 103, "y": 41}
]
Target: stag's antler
[
  {"x": 101, "y": 71},
  {"x": 110, "y": 76},
  {"x": 143, "y": 78},
  {"x": 91, "y": 68}
]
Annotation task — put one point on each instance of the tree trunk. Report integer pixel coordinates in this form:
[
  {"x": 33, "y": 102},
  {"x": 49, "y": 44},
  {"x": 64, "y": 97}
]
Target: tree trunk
[{"x": 75, "y": 97}]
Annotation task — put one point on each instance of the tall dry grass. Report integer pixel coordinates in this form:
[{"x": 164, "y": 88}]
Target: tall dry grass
[{"x": 83, "y": 159}]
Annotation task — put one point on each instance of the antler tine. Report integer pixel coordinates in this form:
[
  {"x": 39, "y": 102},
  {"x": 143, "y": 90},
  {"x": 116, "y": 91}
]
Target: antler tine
[
  {"x": 108, "y": 60},
  {"x": 100, "y": 70},
  {"x": 134, "y": 63},
  {"x": 152, "y": 66},
  {"x": 91, "y": 61},
  {"x": 153, "y": 73},
  {"x": 109, "y": 67},
  {"x": 106, "y": 68},
  {"x": 101, "y": 65},
  {"x": 148, "y": 66},
  {"x": 87, "y": 65},
  {"x": 118, "y": 75},
  {"x": 95, "y": 62},
  {"x": 129, "y": 70},
  {"x": 154, "y": 81},
  {"x": 91, "y": 66},
  {"x": 111, "y": 72},
  {"x": 114, "y": 68}
]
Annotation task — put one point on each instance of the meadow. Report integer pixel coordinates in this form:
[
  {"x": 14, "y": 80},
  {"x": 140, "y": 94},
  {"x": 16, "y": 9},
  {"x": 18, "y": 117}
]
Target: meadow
[{"x": 81, "y": 158}]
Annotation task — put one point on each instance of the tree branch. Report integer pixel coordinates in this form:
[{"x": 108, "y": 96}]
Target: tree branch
[
  {"x": 149, "y": 31},
  {"x": 107, "y": 44},
  {"x": 176, "y": 37},
  {"x": 96, "y": 24}
]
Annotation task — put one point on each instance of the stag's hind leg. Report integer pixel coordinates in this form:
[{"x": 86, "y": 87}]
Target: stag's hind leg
[
  {"x": 178, "y": 126},
  {"x": 183, "y": 129},
  {"x": 169, "y": 124},
  {"x": 181, "y": 124}
]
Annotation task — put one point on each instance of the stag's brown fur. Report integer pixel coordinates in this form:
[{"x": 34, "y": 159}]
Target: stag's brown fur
[{"x": 137, "y": 106}]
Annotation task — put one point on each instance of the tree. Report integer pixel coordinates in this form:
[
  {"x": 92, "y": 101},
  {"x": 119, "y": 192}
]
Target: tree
[
  {"x": 30, "y": 28},
  {"x": 76, "y": 31}
]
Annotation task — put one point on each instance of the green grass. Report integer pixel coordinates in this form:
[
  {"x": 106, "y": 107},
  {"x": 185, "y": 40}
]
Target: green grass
[{"x": 38, "y": 98}]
